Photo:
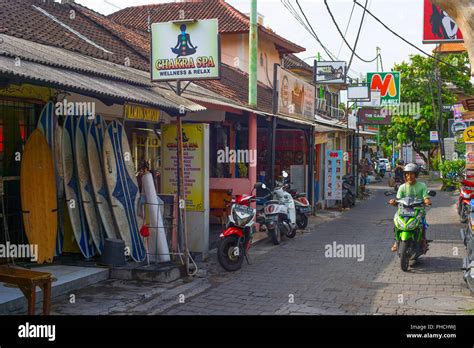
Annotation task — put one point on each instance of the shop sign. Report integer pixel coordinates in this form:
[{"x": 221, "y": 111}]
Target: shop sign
[
  {"x": 333, "y": 174},
  {"x": 329, "y": 72},
  {"x": 388, "y": 83},
  {"x": 140, "y": 113},
  {"x": 458, "y": 126},
  {"x": 26, "y": 91},
  {"x": 470, "y": 160},
  {"x": 458, "y": 109},
  {"x": 438, "y": 27},
  {"x": 185, "y": 50},
  {"x": 374, "y": 100},
  {"x": 468, "y": 134},
  {"x": 321, "y": 138},
  {"x": 295, "y": 97},
  {"x": 193, "y": 153},
  {"x": 374, "y": 116},
  {"x": 434, "y": 137}
]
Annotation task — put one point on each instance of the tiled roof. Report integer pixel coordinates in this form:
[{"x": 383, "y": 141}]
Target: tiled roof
[
  {"x": 290, "y": 61},
  {"x": 230, "y": 19},
  {"x": 51, "y": 23}
]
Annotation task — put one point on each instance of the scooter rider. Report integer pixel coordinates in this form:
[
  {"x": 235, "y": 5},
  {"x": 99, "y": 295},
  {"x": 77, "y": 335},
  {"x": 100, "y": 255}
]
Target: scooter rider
[
  {"x": 412, "y": 188},
  {"x": 399, "y": 172}
]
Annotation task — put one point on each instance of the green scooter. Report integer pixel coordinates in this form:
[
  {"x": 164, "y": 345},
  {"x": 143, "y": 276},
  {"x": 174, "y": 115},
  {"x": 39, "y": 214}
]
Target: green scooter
[{"x": 408, "y": 228}]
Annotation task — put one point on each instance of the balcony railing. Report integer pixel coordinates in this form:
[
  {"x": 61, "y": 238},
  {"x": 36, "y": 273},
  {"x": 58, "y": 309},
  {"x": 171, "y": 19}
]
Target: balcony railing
[{"x": 322, "y": 107}]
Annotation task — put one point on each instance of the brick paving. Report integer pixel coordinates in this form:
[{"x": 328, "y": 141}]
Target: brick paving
[{"x": 297, "y": 278}]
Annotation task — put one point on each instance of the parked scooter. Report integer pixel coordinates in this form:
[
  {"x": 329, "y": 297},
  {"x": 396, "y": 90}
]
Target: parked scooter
[
  {"x": 408, "y": 229},
  {"x": 280, "y": 213},
  {"x": 237, "y": 238},
  {"x": 348, "y": 197},
  {"x": 468, "y": 240},
  {"x": 302, "y": 206},
  {"x": 466, "y": 193}
]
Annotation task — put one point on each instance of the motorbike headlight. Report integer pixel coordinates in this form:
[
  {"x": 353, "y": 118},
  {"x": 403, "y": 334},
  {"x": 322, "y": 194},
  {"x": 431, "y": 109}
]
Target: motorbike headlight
[
  {"x": 399, "y": 221},
  {"x": 412, "y": 224},
  {"x": 466, "y": 195},
  {"x": 240, "y": 218}
]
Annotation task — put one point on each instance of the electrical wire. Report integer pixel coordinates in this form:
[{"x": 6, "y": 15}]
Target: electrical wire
[
  {"x": 463, "y": 70},
  {"x": 358, "y": 34},
  {"x": 347, "y": 27},
  {"x": 344, "y": 39},
  {"x": 304, "y": 24}
]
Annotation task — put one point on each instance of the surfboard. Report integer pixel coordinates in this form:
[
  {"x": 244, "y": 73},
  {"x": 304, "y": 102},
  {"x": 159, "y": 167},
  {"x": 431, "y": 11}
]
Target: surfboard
[
  {"x": 85, "y": 185},
  {"x": 72, "y": 191},
  {"x": 48, "y": 125},
  {"x": 122, "y": 190},
  {"x": 95, "y": 143},
  {"x": 38, "y": 196}
]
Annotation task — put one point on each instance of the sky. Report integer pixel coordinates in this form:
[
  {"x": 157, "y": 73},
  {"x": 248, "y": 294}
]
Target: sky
[{"x": 405, "y": 17}]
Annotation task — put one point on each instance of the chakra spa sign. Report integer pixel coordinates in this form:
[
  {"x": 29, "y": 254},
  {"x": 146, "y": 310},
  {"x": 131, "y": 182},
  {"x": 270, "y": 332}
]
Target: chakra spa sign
[{"x": 185, "y": 50}]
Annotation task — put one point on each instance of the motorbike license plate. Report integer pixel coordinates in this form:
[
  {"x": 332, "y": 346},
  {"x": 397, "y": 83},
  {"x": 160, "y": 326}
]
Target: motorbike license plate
[
  {"x": 243, "y": 209},
  {"x": 407, "y": 212},
  {"x": 305, "y": 209}
]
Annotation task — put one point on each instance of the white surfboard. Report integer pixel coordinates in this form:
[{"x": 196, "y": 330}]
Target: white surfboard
[
  {"x": 95, "y": 143},
  {"x": 85, "y": 185}
]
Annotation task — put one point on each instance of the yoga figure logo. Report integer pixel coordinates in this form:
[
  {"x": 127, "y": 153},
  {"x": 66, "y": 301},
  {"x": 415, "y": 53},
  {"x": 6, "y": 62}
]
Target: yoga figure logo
[{"x": 184, "y": 46}]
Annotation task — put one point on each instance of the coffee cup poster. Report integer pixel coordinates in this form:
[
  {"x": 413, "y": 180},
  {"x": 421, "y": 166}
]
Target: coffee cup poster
[{"x": 185, "y": 50}]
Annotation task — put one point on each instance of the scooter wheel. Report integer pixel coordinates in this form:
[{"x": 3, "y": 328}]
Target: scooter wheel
[
  {"x": 301, "y": 221},
  {"x": 464, "y": 215},
  {"x": 275, "y": 235},
  {"x": 292, "y": 233},
  {"x": 404, "y": 246},
  {"x": 227, "y": 256}
]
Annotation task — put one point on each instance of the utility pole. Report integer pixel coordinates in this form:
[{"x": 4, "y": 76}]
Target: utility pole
[
  {"x": 377, "y": 54},
  {"x": 440, "y": 107},
  {"x": 253, "y": 52}
]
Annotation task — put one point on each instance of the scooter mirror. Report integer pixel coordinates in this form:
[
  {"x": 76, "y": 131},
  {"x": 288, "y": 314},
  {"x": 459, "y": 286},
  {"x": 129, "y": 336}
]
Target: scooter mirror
[
  {"x": 259, "y": 185},
  {"x": 284, "y": 174},
  {"x": 264, "y": 186},
  {"x": 432, "y": 193}
]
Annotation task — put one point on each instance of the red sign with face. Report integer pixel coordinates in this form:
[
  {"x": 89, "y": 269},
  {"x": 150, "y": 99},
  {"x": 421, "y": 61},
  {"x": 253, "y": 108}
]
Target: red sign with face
[{"x": 438, "y": 27}]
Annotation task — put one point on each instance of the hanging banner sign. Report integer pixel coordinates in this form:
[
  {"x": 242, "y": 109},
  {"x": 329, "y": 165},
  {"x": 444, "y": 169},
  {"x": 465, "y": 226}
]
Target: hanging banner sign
[
  {"x": 185, "y": 50},
  {"x": 468, "y": 135},
  {"x": 333, "y": 172},
  {"x": 388, "y": 83},
  {"x": 374, "y": 116},
  {"x": 193, "y": 151},
  {"x": 329, "y": 72},
  {"x": 438, "y": 27},
  {"x": 295, "y": 97}
]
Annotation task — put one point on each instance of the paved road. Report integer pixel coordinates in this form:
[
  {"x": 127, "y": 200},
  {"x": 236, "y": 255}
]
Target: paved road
[{"x": 298, "y": 277}]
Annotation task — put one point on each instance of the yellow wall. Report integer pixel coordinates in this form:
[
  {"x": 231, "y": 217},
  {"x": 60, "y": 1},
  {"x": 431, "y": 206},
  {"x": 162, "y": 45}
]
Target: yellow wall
[{"x": 235, "y": 52}]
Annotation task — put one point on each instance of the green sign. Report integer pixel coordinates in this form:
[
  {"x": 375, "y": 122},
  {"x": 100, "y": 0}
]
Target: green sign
[
  {"x": 388, "y": 83},
  {"x": 185, "y": 50}
]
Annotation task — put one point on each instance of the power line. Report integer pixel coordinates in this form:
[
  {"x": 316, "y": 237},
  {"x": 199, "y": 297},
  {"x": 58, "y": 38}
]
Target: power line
[
  {"x": 347, "y": 27},
  {"x": 306, "y": 25},
  {"x": 464, "y": 70},
  {"x": 358, "y": 33},
  {"x": 345, "y": 41}
]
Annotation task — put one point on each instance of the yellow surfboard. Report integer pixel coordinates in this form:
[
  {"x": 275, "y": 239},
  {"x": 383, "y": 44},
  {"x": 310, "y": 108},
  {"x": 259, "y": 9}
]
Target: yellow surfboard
[{"x": 38, "y": 196}]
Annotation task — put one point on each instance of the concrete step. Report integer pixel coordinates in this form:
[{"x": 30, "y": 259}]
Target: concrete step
[
  {"x": 160, "y": 273},
  {"x": 67, "y": 279}
]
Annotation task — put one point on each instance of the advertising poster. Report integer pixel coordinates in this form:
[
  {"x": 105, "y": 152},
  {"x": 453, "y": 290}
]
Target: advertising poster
[
  {"x": 185, "y": 50},
  {"x": 438, "y": 27},
  {"x": 333, "y": 172},
  {"x": 388, "y": 83},
  {"x": 295, "y": 97},
  {"x": 193, "y": 149}
]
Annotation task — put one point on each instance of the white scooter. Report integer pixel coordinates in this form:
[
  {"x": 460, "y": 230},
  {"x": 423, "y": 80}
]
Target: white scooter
[{"x": 280, "y": 213}]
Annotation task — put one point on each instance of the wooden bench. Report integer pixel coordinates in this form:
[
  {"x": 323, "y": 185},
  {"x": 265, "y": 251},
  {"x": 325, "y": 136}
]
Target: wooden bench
[{"x": 27, "y": 281}]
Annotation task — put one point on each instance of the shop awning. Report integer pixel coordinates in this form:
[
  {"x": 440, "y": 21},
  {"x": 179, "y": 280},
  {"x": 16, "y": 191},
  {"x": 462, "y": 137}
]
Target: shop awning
[
  {"x": 332, "y": 123},
  {"x": 26, "y": 61}
]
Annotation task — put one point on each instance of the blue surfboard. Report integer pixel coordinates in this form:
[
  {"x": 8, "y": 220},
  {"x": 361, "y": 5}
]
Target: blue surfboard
[
  {"x": 73, "y": 193},
  {"x": 122, "y": 190}
]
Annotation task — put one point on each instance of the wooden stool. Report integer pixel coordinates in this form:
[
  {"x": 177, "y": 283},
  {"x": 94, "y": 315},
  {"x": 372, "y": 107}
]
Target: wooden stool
[{"x": 27, "y": 281}]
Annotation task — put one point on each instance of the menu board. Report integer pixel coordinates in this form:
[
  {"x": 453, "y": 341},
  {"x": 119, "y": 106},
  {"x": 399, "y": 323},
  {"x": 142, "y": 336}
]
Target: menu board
[
  {"x": 333, "y": 174},
  {"x": 193, "y": 153}
]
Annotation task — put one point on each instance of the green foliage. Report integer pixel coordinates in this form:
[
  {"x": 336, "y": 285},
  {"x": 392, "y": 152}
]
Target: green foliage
[
  {"x": 419, "y": 85},
  {"x": 451, "y": 170},
  {"x": 435, "y": 164}
]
